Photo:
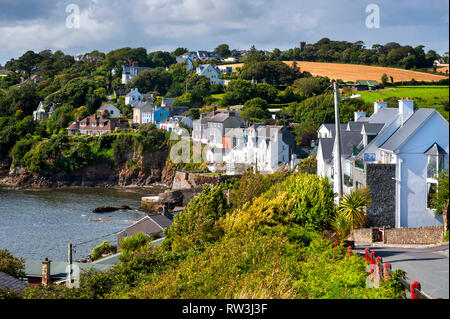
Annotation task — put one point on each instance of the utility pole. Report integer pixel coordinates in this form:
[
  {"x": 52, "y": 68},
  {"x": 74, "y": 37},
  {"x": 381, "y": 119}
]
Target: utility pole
[
  {"x": 70, "y": 263},
  {"x": 337, "y": 144}
]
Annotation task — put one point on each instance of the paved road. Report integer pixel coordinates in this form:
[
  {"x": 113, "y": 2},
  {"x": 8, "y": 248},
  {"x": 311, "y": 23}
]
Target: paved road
[{"x": 428, "y": 266}]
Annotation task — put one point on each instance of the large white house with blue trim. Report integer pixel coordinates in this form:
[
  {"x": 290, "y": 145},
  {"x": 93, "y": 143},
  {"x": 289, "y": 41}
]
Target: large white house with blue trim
[{"x": 398, "y": 153}]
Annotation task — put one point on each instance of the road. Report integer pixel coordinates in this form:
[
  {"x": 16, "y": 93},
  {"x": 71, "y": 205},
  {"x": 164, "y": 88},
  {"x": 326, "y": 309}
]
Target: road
[{"x": 428, "y": 266}]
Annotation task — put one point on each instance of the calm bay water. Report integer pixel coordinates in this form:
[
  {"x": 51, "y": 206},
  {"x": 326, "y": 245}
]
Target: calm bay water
[{"x": 35, "y": 224}]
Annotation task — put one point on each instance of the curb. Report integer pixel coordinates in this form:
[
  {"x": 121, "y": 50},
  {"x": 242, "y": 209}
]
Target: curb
[{"x": 411, "y": 246}]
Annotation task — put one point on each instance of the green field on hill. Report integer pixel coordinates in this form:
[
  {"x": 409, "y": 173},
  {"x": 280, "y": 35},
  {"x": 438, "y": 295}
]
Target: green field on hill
[{"x": 426, "y": 96}]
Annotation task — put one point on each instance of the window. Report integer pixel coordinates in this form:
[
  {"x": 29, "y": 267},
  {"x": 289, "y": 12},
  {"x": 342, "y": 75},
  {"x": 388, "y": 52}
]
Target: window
[
  {"x": 435, "y": 165},
  {"x": 431, "y": 190}
]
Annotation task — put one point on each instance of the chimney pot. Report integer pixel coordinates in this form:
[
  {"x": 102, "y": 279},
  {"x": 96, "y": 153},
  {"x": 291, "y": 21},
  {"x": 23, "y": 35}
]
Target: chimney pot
[{"x": 46, "y": 274}]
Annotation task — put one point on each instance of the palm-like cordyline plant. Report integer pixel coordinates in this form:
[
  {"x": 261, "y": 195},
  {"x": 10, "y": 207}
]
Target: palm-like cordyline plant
[
  {"x": 341, "y": 226},
  {"x": 354, "y": 207}
]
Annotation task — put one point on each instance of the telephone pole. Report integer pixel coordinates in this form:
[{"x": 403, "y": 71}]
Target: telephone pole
[
  {"x": 337, "y": 145},
  {"x": 70, "y": 263}
]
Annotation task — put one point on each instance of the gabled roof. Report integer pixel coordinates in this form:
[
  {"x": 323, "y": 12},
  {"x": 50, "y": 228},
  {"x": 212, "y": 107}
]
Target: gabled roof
[
  {"x": 133, "y": 91},
  {"x": 153, "y": 224},
  {"x": 105, "y": 106},
  {"x": 11, "y": 283},
  {"x": 373, "y": 128},
  {"x": 407, "y": 129},
  {"x": 384, "y": 115},
  {"x": 435, "y": 149},
  {"x": 327, "y": 145},
  {"x": 143, "y": 105}
]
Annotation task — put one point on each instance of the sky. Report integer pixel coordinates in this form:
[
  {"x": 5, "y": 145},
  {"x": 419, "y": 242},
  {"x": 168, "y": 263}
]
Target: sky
[{"x": 81, "y": 26}]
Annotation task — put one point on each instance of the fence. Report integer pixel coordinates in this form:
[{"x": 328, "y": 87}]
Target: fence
[{"x": 383, "y": 271}]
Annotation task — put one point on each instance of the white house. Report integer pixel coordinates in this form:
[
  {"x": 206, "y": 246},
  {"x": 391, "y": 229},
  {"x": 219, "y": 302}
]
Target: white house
[
  {"x": 143, "y": 113},
  {"x": 134, "y": 97},
  {"x": 110, "y": 111},
  {"x": 172, "y": 124},
  {"x": 261, "y": 147},
  {"x": 399, "y": 154},
  {"x": 41, "y": 113},
  {"x": 211, "y": 72}
]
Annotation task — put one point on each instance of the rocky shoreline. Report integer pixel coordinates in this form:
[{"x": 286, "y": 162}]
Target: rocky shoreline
[{"x": 96, "y": 175}]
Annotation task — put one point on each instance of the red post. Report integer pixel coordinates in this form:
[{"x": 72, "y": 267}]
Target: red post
[
  {"x": 366, "y": 253},
  {"x": 379, "y": 261},
  {"x": 372, "y": 257},
  {"x": 387, "y": 270},
  {"x": 414, "y": 285},
  {"x": 349, "y": 251}
]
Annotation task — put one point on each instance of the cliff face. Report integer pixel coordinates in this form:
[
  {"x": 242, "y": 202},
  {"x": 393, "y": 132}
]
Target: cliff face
[{"x": 150, "y": 168}]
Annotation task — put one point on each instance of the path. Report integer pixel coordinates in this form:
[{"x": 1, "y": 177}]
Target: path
[{"x": 428, "y": 266}]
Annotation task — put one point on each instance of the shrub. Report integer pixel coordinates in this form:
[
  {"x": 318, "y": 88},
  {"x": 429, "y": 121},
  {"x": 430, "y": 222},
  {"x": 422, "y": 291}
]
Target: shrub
[
  {"x": 11, "y": 265},
  {"x": 197, "y": 224},
  {"x": 104, "y": 248}
]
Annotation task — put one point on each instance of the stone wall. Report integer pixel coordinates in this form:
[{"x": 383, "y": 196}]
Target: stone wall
[
  {"x": 380, "y": 180},
  {"x": 422, "y": 235},
  {"x": 365, "y": 235}
]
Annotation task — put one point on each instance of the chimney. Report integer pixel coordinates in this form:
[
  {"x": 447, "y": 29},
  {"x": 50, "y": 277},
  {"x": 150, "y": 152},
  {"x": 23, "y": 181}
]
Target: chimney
[
  {"x": 359, "y": 114},
  {"x": 378, "y": 105},
  {"x": 46, "y": 279},
  {"x": 405, "y": 109}
]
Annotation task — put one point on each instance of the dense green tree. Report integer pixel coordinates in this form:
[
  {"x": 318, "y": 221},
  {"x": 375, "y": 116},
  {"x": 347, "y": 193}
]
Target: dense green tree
[
  {"x": 223, "y": 50},
  {"x": 11, "y": 265}
]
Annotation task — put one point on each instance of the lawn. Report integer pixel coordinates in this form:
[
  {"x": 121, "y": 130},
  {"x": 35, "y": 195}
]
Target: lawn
[{"x": 426, "y": 96}]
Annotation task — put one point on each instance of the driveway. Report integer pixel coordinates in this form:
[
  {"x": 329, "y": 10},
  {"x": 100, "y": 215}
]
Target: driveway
[{"x": 428, "y": 266}]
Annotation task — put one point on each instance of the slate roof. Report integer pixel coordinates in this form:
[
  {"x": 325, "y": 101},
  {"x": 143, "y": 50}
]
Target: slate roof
[
  {"x": 384, "y": 115},
  {"x": 435, "y": 149},
  {"x": 327, "y": 145},
  {"x": 373, "y": 128},
  {"x": 11, "y": 283},
  {"x": 407, "y": 129},
  {"x": 143, "y": 105},
  {"x": 220, "y": 117},
  {"x": 349, "y": 139},
  {"x": 151, "y": 224}
]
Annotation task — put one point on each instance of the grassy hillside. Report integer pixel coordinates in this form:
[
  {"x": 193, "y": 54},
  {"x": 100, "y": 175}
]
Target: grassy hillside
[
  {"x": 436, "y": 97},
  {"x": 270, "y": 245}
]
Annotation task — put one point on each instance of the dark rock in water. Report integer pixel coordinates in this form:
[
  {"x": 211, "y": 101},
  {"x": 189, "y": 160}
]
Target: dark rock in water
[
  {"x": 126, "y": 207},
  {"x": 104, "y": 209}
]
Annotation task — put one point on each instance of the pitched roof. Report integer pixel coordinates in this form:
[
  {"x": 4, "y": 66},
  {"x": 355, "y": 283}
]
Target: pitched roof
[
  {"x": 407, "y": 129},
  {"x": 152, "y": 224},
  {"x": 384, "y": 115},
  {"x": 435, "y": 149},
  {"x": 327, "y": 144},
  {"x": 11, "y": 283},
  {"x": 373, "y": 128},
  {"x": 143, "y": 105},
  {"x": 350, "y": 139}
]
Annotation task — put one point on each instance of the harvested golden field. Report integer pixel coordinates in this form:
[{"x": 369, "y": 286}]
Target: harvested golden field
[{"x": 353, "y": 72}]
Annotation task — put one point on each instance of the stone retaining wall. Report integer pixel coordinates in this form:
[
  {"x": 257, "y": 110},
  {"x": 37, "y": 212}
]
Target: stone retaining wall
[
  {"x": 365, "y": 235},
  {"x": 422, "y": 235}
]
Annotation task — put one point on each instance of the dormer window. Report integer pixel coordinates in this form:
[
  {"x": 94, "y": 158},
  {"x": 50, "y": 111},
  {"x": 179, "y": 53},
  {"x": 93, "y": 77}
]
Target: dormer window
[
  {"x": 435, "y": 161},
  {"x": 435, "y": 165}
]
